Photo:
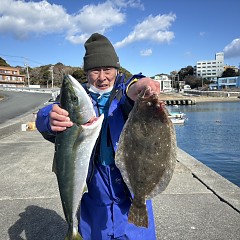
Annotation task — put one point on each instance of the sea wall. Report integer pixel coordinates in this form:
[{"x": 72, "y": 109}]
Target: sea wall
[{"x": 213, "y": 93}]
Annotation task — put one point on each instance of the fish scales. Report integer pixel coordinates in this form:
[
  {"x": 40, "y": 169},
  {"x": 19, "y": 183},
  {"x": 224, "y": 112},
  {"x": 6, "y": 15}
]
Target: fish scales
[
  {"x": 146, "y": 154},
  {"x": 73, "y": 148}
]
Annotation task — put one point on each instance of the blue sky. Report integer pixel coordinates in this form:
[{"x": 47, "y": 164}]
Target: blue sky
[{"x": 150, "y": 36}]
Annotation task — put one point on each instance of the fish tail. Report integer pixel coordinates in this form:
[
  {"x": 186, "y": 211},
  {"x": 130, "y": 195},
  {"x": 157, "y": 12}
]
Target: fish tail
[
  {"x": 138, "y": 214},
  {"x": 73, "y": 236}
]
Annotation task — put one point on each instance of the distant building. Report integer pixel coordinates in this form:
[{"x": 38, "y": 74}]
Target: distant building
[
  {"x": 11, "y": 77},
  {"x": 231, "y": 67},
  {"x": 210, "y": 69},
  {"x": 228, "y": 82},
  {"x": 165, "y": 82}
]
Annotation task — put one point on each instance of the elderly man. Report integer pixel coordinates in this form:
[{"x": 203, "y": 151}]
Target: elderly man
[{"x": 104, "y": 208}]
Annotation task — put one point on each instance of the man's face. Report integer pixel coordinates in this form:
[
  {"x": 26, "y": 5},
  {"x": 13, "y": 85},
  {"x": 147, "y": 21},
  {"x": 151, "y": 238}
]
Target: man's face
[{"x": 103, "y": 77}]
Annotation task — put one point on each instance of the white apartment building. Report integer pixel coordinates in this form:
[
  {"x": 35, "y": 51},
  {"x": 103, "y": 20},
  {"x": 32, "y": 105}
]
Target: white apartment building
[{"x": 210, "y": 69}]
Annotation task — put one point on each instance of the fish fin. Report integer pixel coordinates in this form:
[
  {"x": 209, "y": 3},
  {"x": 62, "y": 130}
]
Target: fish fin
[
  {"x": 54, "y": 169},
  {"x": 75, "y": 236},
  {"x": 138, "y": 215},
  {"x": 85, "y": 189}
]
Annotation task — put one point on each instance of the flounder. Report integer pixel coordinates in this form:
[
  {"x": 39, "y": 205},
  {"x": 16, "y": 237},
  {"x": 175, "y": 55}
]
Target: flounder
[{"x": 146, "y": 154}]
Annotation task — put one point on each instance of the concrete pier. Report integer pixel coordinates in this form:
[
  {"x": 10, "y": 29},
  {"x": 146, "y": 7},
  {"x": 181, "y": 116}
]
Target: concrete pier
[
  {"x": 180, "y": 102},
  {"x": 198, "y": 203}
]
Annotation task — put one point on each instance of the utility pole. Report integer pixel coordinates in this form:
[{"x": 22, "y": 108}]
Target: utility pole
[
  {"x": 178, "y": 84},
  {"x": 26, "y": 66},
  {"x": 51, "y": 70}
]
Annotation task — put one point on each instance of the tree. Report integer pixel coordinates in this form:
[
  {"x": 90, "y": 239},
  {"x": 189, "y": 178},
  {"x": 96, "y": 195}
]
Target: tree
[
  {"x": 42, "y": 75},
  {"x": 187, "y": 71},
  {"x": 46, "y": 78},
  {"x": 35, "y": 76},
  {"x": 80, "y": 75},
  {"x": 125, "y": 72},
  {"x": 193, "y": 81},
  {"x": 229, "y": 72},
  {"x": 59, "y": 70},
  {"x": 173, "y": 73},
  {"x": 3, "y": 63}
]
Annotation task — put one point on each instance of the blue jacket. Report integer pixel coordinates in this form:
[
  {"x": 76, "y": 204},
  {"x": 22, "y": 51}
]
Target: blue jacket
[{"x": 104, "y": 208}]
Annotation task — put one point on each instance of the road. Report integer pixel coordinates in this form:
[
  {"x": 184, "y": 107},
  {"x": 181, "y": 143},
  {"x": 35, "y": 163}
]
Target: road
[{"x": 16, "y": 104}]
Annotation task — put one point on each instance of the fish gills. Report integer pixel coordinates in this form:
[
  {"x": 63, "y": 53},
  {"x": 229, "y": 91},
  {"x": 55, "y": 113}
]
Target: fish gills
[{"x": 146, "y": 154}]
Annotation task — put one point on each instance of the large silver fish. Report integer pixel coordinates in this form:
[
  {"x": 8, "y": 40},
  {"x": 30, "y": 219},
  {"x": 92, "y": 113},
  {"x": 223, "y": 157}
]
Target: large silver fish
[
  {"x": 146, "y": 154},
  {"x": 73, "y": 148}
]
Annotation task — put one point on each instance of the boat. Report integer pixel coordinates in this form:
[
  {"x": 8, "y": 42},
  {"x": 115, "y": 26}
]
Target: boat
[
  {"x": 176, "y": 116},
  {"x": 177, "y": 120}
]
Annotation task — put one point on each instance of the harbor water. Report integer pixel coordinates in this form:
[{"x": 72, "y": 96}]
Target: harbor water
[{"x": 211, "y": 134}]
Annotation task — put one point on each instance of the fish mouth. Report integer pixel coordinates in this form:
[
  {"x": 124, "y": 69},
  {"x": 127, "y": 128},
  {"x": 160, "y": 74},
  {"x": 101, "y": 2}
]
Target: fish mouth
[
  {"x": 91, "y": 123},
  {"x": 151, "y": 98},
  {"x": 147, "y": 93}
]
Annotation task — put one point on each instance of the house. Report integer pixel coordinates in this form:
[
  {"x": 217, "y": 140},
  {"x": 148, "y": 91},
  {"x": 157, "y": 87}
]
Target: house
[
  {"x": 165, "y": 82},
  {"x": 11, "y": 77}
]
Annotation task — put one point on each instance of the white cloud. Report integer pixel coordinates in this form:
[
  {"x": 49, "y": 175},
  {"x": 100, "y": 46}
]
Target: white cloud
[
  {"x": 232, "y": 50},
  {"x": 22, "y": 19},
  {"x": 129, "y": 3},
  {"x": 146, "y": 52},
  {"x": 188, "y": 54},
  {"x": 152, "y": 28},
  {"x": 202, "y": 34},
  {"x": 94, "y": 18},
  {"x": 76, "y": 39}
]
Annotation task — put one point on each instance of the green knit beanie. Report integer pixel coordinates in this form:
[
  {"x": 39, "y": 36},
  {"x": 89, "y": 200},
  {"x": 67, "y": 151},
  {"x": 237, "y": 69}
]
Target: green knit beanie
[{"x": 99, "y": 53}]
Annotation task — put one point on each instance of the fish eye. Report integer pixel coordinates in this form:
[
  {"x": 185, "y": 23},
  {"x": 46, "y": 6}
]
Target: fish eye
[{"x": 74, "y": 98}]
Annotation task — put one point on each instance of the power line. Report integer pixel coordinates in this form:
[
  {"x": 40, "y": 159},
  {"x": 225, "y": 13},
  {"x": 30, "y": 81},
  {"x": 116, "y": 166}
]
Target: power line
[
  {"x": 13, "y": 61},
  {"x": 6, "y": 55},
  {"x": 26, "y": 58}
]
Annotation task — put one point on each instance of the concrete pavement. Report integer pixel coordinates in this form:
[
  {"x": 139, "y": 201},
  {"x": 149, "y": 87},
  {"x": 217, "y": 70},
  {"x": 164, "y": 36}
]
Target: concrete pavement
[{"x": 198, "y": 203}]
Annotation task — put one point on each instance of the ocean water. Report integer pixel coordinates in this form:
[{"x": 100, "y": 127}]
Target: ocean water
[{"x": 211, "y": 134}]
